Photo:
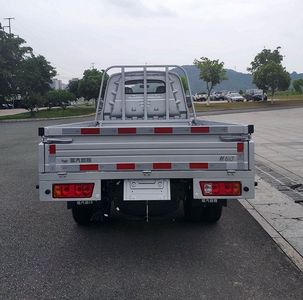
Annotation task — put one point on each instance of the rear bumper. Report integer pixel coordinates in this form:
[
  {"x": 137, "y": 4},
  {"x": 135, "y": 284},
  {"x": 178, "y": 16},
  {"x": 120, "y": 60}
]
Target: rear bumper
[{"x": 46, "y": 180}]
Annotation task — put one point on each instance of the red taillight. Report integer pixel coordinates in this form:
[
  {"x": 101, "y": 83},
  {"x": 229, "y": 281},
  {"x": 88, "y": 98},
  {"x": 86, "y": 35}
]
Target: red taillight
[
  {"x": 216, "y": 188},
  {"x": 73, "y": 190}
]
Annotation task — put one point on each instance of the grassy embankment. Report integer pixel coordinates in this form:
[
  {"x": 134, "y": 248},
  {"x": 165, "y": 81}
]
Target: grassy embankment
[
  {"x": 53, "y": 113},
  {"x": 283, "y": 101},
  {"x": 280, "y": 101}
]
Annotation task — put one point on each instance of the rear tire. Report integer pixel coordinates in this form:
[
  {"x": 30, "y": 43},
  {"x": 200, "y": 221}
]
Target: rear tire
[
  {"x": 82, "y": 214},
  {"x": 210, "y": 213}
]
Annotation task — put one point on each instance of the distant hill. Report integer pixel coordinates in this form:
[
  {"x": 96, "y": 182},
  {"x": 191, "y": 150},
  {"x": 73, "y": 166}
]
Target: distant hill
[{"x": 236, "y": 80}]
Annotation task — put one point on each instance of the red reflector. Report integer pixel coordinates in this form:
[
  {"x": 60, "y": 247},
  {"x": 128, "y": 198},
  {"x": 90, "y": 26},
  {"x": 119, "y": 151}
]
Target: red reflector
[
  {"x": 240, "y": 147},
  {"x": 161, "y": 166},
  {"x": 225, "y": 188},
  {"x": 52, "y": 149},
  {"x": 73, "y": 190},
  {"x": 126, "y": 166},
  {"x": 91, "y": 167},
  {"x": 163, "y": 130},
  {"x": 127, "y": 130},
  {"x": 198, "y": 165},
  {"x": 90, "y": 130},
  {"x": 199, "y": 129}
]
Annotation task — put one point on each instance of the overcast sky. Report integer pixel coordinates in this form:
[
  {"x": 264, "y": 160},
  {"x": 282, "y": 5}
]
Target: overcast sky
[{"x": 73, "y": 34}]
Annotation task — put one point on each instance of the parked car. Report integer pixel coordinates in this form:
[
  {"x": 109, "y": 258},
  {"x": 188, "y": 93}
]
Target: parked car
[
  {"x": 234, "y": 97},
  {"x": 200, "y": 97},
  {"x": 217, "y": 96},
  {"x": 4, "y": 106},
  {"x": 255, "y": 95}
]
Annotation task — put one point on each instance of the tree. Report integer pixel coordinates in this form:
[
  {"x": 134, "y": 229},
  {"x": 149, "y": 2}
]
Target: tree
[
  {"x": 73, "y": 87},
  {"x": 34, "y": 78},
  {"x": 184, "y": 84},
  {"x": 268, "y": 72},
  {"x": 212, "y": 72},
  {"x": 265, "y": 56},
  {"x": 89, "y": 85},
  {"x": 32, "y": 100},
  {"x": 12, "y": 53},
  {"x": 298, "y": 86},
  {"x": 59, "y": 98}
]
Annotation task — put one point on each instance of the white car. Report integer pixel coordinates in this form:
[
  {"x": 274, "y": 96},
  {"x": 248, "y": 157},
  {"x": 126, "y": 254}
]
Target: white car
[{"x": 234, "y": 97}]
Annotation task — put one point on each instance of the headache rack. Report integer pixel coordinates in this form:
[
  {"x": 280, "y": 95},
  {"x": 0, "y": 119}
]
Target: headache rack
[{"x": 118, "y": 106}]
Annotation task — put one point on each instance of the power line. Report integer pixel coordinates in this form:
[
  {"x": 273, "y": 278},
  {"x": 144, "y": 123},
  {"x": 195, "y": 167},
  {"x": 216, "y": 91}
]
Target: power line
[{"x": 9, "y": 24}]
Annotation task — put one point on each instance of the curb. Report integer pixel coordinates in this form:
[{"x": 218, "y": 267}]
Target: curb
[
  {"x": 282, "y": 243},
  {"x": 45, "y": 119}
]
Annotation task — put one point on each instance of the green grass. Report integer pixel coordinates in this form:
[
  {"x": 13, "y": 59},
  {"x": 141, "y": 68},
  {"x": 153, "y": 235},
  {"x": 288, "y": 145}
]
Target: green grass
[
  {"x": 53, "y": 113},
  {"x": 283, "y": 101},
  {"x": 289, "y": 97},
  {"x": 247, "y": 105}
]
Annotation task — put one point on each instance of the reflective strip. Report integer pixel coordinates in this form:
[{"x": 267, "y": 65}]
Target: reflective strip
[
  {"x": 161, "y": 166},
  {"x": 163, "y": 130},
  {"x": 89, "y": 167},
  {"x": 92, "y": 131},
  {"x": 52, "y": 149},
  {"x": 126, "y": 166},
  {"x": 215, "y": 129},
  {"x": 240, "y": 147},
  {"x": 198, "y": 165},
  {"x": 158, "y": 166},
  {"x": 199, "y": 130},
  {"x": 127, "y": 130}
]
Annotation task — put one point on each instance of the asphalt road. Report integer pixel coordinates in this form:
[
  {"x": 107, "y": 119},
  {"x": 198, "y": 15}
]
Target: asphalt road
[{"x": 45, "y": 255}]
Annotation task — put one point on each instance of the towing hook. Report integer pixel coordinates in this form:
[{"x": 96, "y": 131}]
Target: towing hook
[
  {"x": 37, "y": 186},
  {"x": 256, "y": 183}
]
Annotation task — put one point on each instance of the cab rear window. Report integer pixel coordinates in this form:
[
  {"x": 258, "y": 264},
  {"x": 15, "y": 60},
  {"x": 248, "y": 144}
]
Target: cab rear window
[{"x": 153, "y": 86}]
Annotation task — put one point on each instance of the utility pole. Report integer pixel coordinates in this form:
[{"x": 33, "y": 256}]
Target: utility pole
[{"x": 9, "y": 24}]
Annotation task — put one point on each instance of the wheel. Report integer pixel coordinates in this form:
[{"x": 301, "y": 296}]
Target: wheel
[
  {"x": 195, "y": 211},
  {"x": 82, "y": 214},
  {"x": 211, "y": 213}
]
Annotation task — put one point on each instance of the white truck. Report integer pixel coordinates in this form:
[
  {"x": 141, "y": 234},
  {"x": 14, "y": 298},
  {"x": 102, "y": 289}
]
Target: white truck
[{"x": 146, "y": 152}]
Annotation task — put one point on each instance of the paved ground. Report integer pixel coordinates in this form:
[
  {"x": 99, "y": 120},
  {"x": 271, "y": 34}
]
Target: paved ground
[
  {"x": 278, "y": 136},
  {"x": 15, "y": 111},
  {"x": 45, "y": 255}
]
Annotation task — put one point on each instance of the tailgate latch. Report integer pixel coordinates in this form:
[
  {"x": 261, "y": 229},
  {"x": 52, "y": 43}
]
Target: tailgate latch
[{"x": 146, "y": 172}]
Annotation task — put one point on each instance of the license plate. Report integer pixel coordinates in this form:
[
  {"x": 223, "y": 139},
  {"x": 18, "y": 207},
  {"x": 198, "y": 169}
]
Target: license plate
[{"x": 146, "y": 189}]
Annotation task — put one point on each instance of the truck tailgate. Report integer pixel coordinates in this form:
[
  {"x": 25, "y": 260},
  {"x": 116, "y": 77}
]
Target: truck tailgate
[{"x": 181, "y": 148}]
